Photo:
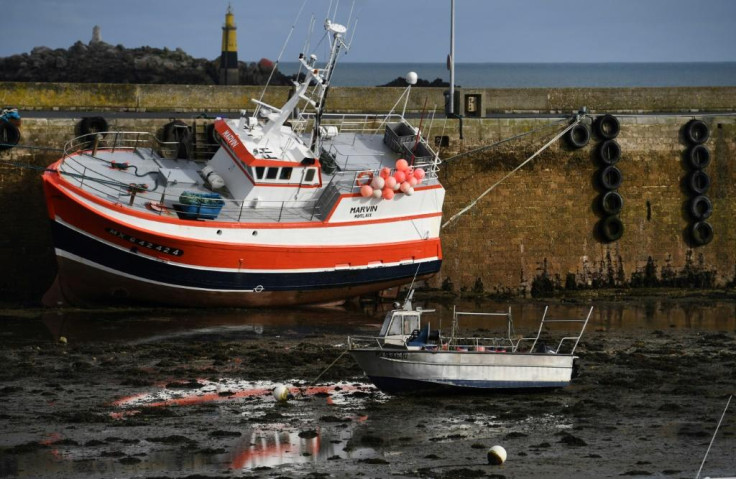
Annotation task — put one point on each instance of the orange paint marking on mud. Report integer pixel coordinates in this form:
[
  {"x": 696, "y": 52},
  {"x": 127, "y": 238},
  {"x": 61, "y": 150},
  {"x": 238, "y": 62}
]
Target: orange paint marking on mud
[
  {"x": 194, "y": 399},
  {"x": 51, "y": 438}
]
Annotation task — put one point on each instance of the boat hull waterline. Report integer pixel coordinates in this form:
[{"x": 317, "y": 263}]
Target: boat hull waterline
[
  {"x": 421, "y": 371},
  {"x": 102, "y": 261}
]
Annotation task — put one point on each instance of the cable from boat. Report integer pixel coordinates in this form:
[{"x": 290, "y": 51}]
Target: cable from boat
[
  {"x": 697, "y": 476},
  {"x": 281, "y": 53},
  {"x": 506, "y": 140},
  {"x": 472, "y": 204}
]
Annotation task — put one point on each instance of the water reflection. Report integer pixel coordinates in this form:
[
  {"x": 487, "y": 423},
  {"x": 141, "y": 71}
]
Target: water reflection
[{"x": 146, "y": 325}]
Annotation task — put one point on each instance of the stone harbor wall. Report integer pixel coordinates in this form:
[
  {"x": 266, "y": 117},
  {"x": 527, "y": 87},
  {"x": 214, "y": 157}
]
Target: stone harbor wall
[{"x": 537, "y": 231}]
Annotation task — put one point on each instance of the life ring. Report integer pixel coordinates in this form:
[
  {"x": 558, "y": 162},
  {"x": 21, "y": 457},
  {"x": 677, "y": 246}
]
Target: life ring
[
  {"x": 578, "y": 136},
  {"x": 696, "y": 132},
  {"x": 699, "y": 182},
  {"x": 609, "y": 152},
  {"x": 698, "y": 157},
  {"x": 364, "y": 175},
  {"x": 701, "y": 207},
  {"x": 607, "y": 127},
  {"x": 9, "y": 135},
  {"x": 611, "y": 228},
  {"x": 701, "y": 233},
  {"x": 610, "y": 178},
  {"x": 612, "y": 202}
]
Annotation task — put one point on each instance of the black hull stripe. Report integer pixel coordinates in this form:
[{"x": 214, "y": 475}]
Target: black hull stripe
[{"x": 136, "y": 265}]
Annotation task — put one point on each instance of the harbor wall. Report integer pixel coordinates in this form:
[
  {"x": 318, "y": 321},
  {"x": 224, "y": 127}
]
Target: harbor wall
[
  {"x": 209, "y": 98},
  {"x": 536, "y": 230}
]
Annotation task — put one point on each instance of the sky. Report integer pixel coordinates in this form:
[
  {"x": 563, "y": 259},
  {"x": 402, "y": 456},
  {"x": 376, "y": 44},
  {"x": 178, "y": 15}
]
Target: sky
[{"x": 401, "y": 31}]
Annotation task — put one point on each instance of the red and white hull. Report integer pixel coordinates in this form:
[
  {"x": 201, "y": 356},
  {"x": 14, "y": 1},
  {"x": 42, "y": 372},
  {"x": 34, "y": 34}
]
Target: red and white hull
[{"x": 109, "y": 253}]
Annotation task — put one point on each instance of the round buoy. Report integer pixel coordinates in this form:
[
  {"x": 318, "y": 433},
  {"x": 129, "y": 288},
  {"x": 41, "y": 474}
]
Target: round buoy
[
  {"x": 366, "y": 191},
  {"x": 280, "y": 393},
  {"x": 496, "y": 455},
  {"x": 411, "y": 78},
  {"x": 378, "y": 182}
]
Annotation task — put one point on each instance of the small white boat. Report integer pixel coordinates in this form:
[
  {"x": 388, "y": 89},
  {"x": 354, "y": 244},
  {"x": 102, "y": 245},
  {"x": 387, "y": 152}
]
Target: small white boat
[{"x": 408, "y": 356}]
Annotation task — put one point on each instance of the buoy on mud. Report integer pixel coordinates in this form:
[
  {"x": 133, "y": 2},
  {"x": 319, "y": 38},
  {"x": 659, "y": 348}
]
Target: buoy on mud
[
  {"x": 281, "y": 393},
  {"x": 496, "y": 455}
]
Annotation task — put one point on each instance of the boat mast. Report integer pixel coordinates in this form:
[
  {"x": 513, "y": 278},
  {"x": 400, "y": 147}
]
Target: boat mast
[
  {"x": 451, "y": 59},
  {"x": 338, "y": 32}
]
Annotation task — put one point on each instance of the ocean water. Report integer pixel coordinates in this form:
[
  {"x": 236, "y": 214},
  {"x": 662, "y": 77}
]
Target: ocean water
[{"x": 539, "y": 75}]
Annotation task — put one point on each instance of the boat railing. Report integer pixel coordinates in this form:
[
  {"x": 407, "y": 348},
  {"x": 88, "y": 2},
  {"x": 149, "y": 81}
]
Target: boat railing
[
  {"x": 358, "y": 342},
  {"x": 154, "y": 198},
  {"x": 112, "y": 141},
  {"x": 566, "y": 345},
  {"x": 573, "y": 340}
]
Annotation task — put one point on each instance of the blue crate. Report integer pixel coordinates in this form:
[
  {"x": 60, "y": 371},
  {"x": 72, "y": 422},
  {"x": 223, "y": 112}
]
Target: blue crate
[{"x": 199, "y": 206}]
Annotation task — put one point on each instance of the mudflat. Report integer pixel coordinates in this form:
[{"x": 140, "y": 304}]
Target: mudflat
[{"x": 198, "y": 403}]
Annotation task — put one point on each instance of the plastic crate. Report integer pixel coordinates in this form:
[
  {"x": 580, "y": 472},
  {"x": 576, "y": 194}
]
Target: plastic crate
[
  {"x": 195, "y": 206},
  {"x": 399, "y": 134}
]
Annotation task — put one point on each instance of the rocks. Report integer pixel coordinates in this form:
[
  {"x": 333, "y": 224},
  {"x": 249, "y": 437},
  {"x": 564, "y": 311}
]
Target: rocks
[{"x": 100, "y": 62}]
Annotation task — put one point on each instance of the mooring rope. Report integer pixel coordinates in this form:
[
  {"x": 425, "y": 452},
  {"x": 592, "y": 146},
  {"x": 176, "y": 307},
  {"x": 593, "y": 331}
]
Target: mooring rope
[
  {"x": 697, "y": 476},
  {"x": 506, "y": 140},
  {"x": 475, "y": 201},
  {"x": 328, "y": 367}
]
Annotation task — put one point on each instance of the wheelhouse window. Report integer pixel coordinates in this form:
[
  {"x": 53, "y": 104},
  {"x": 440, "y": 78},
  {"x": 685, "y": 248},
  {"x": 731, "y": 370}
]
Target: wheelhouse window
[
  {"x": 309, "y": 175},
  {"x": 285, "y": 173},
  {"x": 259, "y": 172},
  {"x": 272, "y": 173}
]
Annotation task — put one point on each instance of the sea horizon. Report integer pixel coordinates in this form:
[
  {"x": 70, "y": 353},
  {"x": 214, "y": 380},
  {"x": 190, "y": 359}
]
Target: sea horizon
[{"x": 539, "y": 74}]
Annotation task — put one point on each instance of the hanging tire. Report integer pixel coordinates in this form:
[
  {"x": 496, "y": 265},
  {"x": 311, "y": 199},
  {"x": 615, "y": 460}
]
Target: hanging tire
[
  {"x": 611, "y": 228},
  {"x": 701, "y": 233},
  {"x": 699, "y": 182},
  {"x": 176, "y": 131},
  {"x": 698, "y": 156},
  {"x": 9, "y": 135},
  {"x": 92, "y": 124},
  {"x": 610, "y": 178},
  {"x": 612, "y": 202},
  {"x": 696, "y": 132},
  {"x": 212, "y": 135},
  {"x": 578, "y": 136},
  {"x": 609, "y": 152},
  {"x": 701, "y": 207},
  {"x": 607, "y": 127}
]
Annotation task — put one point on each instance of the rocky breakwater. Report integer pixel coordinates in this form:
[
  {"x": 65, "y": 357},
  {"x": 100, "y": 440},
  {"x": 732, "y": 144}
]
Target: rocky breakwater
[{"x": 99, "y": 62}]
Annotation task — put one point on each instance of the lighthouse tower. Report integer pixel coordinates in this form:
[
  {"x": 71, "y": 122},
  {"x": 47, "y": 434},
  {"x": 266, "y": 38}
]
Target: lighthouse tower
[{"x": 229, "y": 58}]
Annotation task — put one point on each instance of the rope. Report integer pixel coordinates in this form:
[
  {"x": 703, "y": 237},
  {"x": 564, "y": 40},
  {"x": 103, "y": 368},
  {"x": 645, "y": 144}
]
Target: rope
[
  {"x": 475, "y": 201},
  {"x": 506, "y": 140},
  {"x": 281, "y": 53},
  {"x": 29, "y": 147},
  {"x": 328, "y": 367},
  {"x": 714, "y": 436}
]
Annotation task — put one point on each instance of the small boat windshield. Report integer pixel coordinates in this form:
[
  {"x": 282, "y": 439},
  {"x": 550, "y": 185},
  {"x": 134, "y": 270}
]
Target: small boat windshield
[{"x": 399, "y": 323}]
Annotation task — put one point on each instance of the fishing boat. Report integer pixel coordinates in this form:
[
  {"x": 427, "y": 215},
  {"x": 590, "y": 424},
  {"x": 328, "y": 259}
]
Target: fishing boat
[
  {"x": 408, "y": 356},
  {"x": 297, "y": 206}
]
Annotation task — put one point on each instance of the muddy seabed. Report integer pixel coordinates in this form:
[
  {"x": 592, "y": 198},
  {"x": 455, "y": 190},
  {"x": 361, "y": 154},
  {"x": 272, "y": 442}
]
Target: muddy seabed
[{"x": 198, "y": 403}]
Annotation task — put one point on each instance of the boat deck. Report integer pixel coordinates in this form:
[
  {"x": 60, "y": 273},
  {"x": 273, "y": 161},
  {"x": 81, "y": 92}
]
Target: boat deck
[{"x": 142, "y": 179}]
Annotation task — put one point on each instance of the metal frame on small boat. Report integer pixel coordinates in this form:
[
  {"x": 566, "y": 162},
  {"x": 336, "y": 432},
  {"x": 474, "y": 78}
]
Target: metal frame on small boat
[{"x": 408, "y": 357}]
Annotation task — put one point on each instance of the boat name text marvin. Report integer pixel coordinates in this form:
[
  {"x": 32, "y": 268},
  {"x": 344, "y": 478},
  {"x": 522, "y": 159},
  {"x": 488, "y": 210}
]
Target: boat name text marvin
[
  {"x": 144, "y": 243},
  {"x": 231, "y": 140},
  {"x": 363, "y": 211}
]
